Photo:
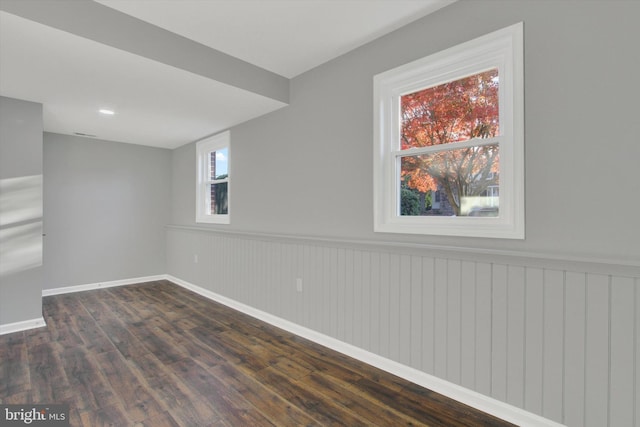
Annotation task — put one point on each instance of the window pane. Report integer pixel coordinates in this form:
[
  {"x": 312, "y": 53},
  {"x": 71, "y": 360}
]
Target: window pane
[
  {"x": 218, "y": 163},
  {"x": 455, "y": 111},
  {"x": 462, "y": 182},
  {"x": 219, "y": 198}
]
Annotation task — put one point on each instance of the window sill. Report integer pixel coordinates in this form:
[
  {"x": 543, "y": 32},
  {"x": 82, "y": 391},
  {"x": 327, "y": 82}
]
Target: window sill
[{"x": 217, "y": 219}]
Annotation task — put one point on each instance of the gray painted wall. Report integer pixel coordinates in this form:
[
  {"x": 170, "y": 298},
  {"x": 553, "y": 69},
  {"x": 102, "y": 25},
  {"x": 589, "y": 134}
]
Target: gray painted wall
[
  {"x": 528, "y": 326},
  {"x": 307, "y": 168},
  {"x": 183, "y": 188},
  {"x": 20, "y": 229},
  {"x": 106, "y": 205}
]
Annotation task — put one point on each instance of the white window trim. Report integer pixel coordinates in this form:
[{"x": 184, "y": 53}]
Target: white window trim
[
  {"x": 502, "y": 49},
  {"x": 203, "y": 148}
]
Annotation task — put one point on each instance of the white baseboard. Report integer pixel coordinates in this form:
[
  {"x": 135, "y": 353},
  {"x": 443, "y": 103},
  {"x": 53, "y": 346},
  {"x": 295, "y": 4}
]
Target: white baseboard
[
  {"x": 469, "y": 397},
  {"x": 24, "y": 325},
  {"x": 100, "y": 285}
]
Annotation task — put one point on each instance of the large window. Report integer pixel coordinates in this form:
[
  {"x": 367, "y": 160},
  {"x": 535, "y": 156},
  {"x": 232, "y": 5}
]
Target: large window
[
  {"x": 449, "y": 141},
  {"x": 213, "y": 179}
]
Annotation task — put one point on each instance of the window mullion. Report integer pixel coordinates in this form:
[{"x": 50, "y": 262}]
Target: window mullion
[{"x": 475, "y": 142}]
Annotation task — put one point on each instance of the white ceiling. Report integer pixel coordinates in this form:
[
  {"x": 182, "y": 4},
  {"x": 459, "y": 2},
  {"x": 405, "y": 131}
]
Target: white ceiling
[
  {"x": 74, "y": 77},
  {"x": 160, "y": 103},
  {"x": 287, "y": 37}
]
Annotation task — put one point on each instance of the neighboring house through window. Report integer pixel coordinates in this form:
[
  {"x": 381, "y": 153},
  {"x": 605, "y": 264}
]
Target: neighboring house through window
[
  {"x": 449, "y": 128},
  {"x": 212, "y": 198}
]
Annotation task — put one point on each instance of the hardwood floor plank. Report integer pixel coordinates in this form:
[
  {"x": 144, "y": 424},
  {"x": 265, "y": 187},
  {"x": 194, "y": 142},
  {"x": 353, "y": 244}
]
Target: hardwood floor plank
[
  {"x": 94, "y": 303},
  {"x": 157, "y": 342},
  {"x": 154, "y": 303},
  {"x": 188, "y": 345},
  {"x": 48, "y": 380},
  {"x": 35, "y": 337},
  {"x": 368, "y": 409},
  {"x": 187, "y": 407},
  {"x": 290, "y": 368},
  {"x": 93, "y": 337},
  {"x": 61, "y": 321},
  {"x": 271, "y": 405},
  {"x": 91, "y": 390},
  {"x": 18, "y": 398},
  {"x": 105, "y": 416},
  {"x": 442, "y": 405},
  {"x": 131, "y": 394},
  {"x": 155, "y": 354},
  {"x": 227, "y": 401},
  {"x": 8, "y": 340},
  {"x": 126, "y": 343},
  {"x": 148, "y": 367},
  {"x": 123, "y": 310},
  {"x": 317, "y": 405},
  {"x": 14, "y": 371},
  {"x": 164, "y": 419},
  {"x": 211, "y": 339}
]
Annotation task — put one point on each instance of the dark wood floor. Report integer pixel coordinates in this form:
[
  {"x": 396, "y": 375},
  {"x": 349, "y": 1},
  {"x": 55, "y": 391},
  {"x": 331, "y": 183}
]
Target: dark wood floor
[{"x": 156, "y": 355}]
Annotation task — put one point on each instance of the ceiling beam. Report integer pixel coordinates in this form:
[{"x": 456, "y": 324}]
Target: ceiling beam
[{"x": 108, "y": 26}]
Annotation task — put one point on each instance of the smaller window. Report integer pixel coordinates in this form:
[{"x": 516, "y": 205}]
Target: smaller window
[{"x": 213, "y": 179}]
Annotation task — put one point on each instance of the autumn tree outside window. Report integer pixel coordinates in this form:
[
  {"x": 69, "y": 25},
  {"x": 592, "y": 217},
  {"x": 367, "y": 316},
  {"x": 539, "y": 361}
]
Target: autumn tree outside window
[
  {"x": 449, "y": 144},
  {"x": 213, "y": 179}
]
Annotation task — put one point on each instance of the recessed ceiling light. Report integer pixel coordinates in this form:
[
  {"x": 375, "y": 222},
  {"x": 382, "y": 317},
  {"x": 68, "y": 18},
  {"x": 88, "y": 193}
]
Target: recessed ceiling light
[{"x": 106, "y": 112}]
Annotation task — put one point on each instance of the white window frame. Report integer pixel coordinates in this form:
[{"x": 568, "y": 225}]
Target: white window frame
[
  {"x": 203, "y": 178},
  {"x": 502, "y": 49}
]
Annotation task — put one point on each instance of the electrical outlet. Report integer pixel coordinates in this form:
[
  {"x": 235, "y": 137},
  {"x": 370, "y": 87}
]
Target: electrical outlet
[
  {"x": 299, "y": 284},
  {"x": 195, "y": 258}
]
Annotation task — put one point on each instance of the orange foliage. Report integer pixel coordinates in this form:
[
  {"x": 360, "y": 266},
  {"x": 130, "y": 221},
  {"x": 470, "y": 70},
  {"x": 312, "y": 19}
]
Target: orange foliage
[{"x": 452, "y": 112}]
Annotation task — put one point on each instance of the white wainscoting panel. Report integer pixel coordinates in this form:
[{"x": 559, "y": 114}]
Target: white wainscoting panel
[{"x": 560, "y": 339}]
